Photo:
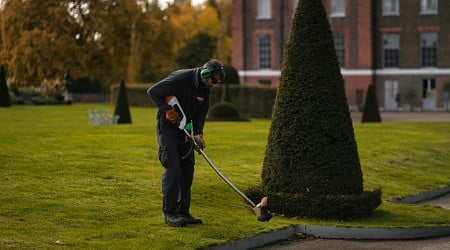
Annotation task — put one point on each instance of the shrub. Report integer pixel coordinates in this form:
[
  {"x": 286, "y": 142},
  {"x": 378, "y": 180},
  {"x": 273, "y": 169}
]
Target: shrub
[
  {"x": 86, "y": 84},
  {"x": 224, "y": 111},
  {"x": 5, "y": 100},
  {"x": 371, "y": 112},
  {"x": 49, "y": 92},
  {"x": 122, "y": 108}
]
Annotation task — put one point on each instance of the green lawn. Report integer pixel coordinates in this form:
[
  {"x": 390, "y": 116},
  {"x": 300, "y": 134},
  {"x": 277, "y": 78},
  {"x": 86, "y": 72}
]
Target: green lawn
[{"x": 99, "y": 186}]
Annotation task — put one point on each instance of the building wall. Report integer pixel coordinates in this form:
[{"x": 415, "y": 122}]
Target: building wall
[{"x": 363, "y": 64}]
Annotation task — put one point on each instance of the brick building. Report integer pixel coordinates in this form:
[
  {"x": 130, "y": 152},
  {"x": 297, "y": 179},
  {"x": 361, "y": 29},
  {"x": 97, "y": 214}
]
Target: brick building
[{"x": 403, "y": 46}]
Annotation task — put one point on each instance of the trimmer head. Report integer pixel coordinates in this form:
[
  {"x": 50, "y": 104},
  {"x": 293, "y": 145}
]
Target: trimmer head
[{"x": 262, "y": 212}]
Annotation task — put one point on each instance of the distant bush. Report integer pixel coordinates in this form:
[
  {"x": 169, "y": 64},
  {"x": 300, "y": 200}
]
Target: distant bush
[
  {"x": 122, "y": 109},
  {"x": 251, "y": 101},
  {"x": 49, "y": 92},
  {"x": 371, "y": 112},
  {"x": 224, "y": 111},
  {"x": 87, "y": 85},
  {"x": 137, "y": 94},
  {"x": 5, "y": 100}
]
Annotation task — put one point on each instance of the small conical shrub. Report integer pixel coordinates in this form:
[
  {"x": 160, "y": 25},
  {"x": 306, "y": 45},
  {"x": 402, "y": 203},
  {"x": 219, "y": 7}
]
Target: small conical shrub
[
  {"x": 122, "y": 107},
  {"x": 5, "y": 101},
  {"x": 311, "y": 167},
  {"x": 371, "y": 113}
]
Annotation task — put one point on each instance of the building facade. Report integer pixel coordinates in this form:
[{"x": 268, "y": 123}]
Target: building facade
[{"x": 402, "y": 46}]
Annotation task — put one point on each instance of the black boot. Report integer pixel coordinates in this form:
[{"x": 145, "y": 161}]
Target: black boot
[
  {"x": 191, "y": 220},
  {"x": 174, "y": 220}
]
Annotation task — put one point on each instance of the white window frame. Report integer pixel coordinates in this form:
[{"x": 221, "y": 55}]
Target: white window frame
[
  {"x": 339, "y": 46},
  {"x": 429, "y": 88},
  {"x": 337, "y": 8},
  {"x": 429, "y": 7},
  {"x": 264, "y": 52},
  {"x": 391, "y": 42},
  {"x": 263, "y": 9},
  {"x": 391, "y": 8},
  {"x": 429, "y": 40}
]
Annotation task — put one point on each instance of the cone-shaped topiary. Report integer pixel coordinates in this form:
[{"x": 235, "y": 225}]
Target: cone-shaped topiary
[
  {"x": 371, "y": 113},
  {"x": 311, "y": 166},
  {"x": 122, "y": 107},
  {"x": 5, "y": 101}
]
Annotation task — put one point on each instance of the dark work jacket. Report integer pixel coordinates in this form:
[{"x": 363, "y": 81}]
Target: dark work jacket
[{"x": 193, "y": 96}]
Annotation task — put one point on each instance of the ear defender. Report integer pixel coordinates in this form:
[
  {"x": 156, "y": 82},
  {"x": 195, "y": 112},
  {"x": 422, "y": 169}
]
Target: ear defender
[{"x": 205, "y": 73}]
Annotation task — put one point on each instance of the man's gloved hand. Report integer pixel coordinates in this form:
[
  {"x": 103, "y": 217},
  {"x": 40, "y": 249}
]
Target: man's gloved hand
[
  {"x": 172, "y": 115},
  {"x": 200, "y": 142}
]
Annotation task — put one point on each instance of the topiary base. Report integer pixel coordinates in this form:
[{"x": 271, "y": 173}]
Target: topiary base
[{"x": 339, "y": 207}]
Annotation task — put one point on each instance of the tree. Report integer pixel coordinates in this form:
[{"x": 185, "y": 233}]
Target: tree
[
  {"x": 91, "y": 37},
  {"x": 311, "y": 166},
  {"x": 106, "y": 40},
  {"x": 5, "y": 101},
  {"x": 224, "y": 41},
  {"x": 187, "y": 22},
  {"x": 198, "y": 49},
  {"x": 371, "y": 112},
  {"x": 32, "y": 44}
]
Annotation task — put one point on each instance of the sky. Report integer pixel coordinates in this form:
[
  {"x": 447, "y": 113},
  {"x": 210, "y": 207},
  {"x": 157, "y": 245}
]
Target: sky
[{"x": 194, "y": 2}]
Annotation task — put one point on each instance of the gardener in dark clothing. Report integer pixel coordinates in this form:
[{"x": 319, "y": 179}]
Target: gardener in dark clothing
[{"x": 192, "y": 88}]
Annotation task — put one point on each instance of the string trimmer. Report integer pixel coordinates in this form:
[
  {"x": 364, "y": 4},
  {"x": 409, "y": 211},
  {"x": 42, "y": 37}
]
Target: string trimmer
[{"x": 260, "y": 209}]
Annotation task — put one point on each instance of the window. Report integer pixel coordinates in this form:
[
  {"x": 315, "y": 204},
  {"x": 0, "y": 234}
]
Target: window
[
  {"x": 264, "y": 52},
  {"x": 264, "y": 10},
  {"x": 429, "y": 87},
  {"x": 428, "y": 46},
  {"x": 391, "y": 8},
  {"x": 339, "y": 47},
  {"x": 337, "y": 8},
  {"x": 392, "y": 96},
  {"x": 391, "y": 47},
  {"x": 428, "y": 7}
]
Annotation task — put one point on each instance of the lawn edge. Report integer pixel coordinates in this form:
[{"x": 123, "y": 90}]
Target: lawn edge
[{"x": 349, "y": 232}]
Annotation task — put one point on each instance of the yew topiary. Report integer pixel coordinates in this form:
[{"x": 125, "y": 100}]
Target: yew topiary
[
  {"x": 311, "y": 167},
  {"x": 122, "y": 107},
  {"x": 371, "y": 113},
  {"x": 5, "y": 100}
]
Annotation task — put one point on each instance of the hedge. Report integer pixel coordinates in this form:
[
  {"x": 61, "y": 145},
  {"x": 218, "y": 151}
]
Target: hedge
[{"x": 251, "y": 101}]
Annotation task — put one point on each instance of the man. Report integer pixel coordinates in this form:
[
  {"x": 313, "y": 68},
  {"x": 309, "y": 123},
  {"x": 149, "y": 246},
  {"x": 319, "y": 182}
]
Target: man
[{"x": 192, "y": 88}]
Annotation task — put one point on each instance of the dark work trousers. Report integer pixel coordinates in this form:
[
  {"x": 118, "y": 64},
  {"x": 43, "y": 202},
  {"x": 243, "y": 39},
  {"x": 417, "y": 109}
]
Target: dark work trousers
[{"x": 178, "y": 160}]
